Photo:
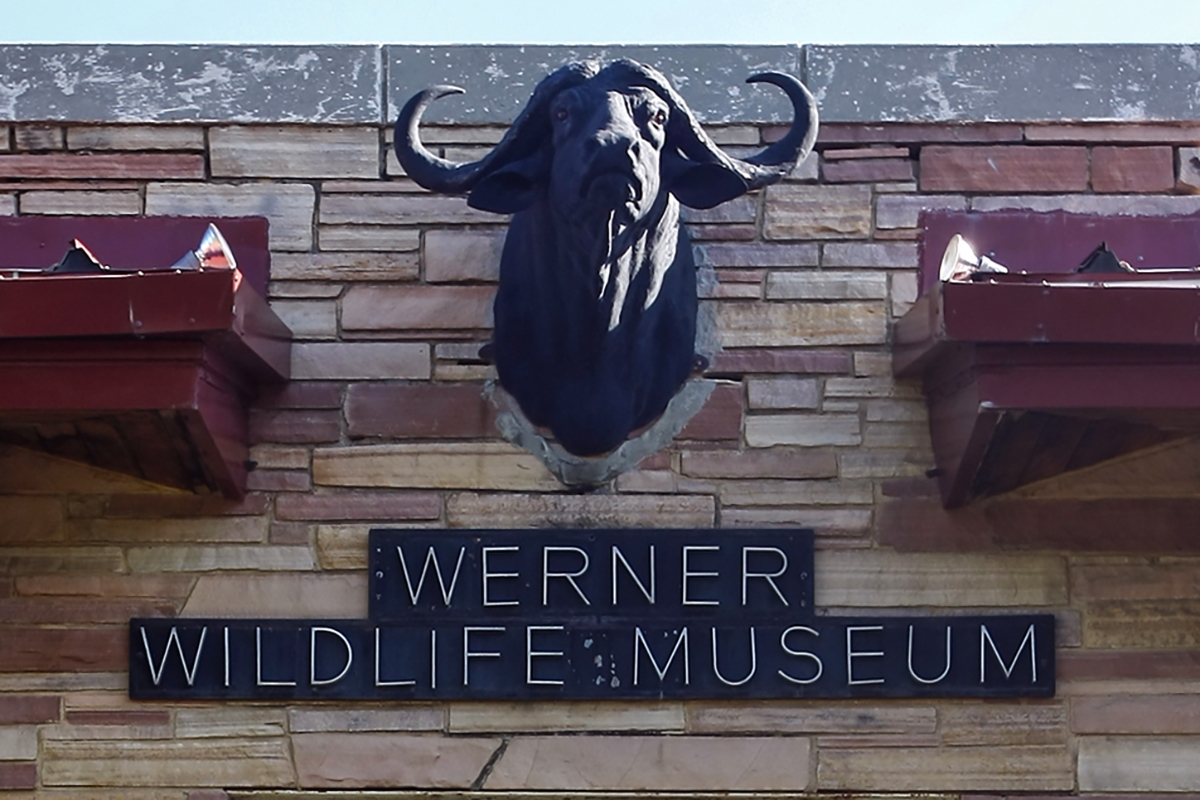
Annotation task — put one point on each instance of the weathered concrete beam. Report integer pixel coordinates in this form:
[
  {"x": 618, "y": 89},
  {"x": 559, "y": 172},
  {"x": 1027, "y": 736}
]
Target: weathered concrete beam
[{"x": 366, "y": 84}]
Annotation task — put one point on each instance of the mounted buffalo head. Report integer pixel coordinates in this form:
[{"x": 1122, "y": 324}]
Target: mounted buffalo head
[{"x": 596, "y": 310}]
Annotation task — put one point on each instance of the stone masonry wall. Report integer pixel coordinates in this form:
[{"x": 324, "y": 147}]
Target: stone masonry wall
[{"x": 388, "y": 291}]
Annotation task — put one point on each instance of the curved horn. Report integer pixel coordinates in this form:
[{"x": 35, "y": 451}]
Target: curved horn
[
  {"x": 428, "y": 170},
  {"x": 798, "y": 142},
  {"x": 442, "y": 175}
]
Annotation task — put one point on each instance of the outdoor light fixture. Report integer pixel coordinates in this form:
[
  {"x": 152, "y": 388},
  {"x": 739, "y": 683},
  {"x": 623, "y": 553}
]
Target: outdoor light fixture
[
  {"x": 959, "y": 262},
  {"x": 213, "y": 251}
]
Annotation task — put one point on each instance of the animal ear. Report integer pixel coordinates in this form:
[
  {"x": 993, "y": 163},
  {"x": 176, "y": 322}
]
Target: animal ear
[
  {"x": 509, "y": 189},
  {"x": 703, "y": 185}
]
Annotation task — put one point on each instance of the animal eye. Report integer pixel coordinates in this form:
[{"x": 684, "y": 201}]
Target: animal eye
[
  {"x": 659, "y": 117},
  {"x": 561, "y": 115}
]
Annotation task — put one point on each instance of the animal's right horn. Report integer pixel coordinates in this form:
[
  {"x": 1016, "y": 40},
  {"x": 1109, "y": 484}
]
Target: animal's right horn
[{"x": 433, "y": 172}]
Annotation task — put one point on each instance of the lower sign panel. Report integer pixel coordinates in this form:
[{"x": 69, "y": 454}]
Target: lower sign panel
[{"x": 221, "y": 659}]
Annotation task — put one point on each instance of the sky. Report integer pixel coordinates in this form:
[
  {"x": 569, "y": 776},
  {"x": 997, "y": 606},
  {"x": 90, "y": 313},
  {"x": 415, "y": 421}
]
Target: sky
[{"x": 603, "y": 22}]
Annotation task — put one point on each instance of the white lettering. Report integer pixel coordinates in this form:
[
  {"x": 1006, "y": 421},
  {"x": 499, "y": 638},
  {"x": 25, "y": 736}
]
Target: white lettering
[
  {"x": 769, "y": 577},
  {"x": 687, "y": 551},
  {"x": 173, "y": 640},
  {"x": 226, "y": 658},
  {"x": 640, "y": 643},
  {"x": 531, "y": 654},
  {"x": 570, "y": 576},
  {"x": 431, "y": 558},
  {"x": 378, "y": 680},
  {"x": 468, "y": 654},
  {"x": 258, "y": 663},
  {"x": 852, "y": 654},
  {"x": 617, "y": 555},
  {"x": 312, "y": 656},
  {"x": 433, "y": 658},
  {"x": 489, "y": 575},
  {"x": 913, "y": 672},
  {"x": 986, "y": 638},
  {"x": 753, "y": 661},
  {"x": 802, "y": 653}
]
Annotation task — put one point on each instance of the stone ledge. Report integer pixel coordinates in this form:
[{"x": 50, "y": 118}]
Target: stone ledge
[{"x": 344, "y": 84}]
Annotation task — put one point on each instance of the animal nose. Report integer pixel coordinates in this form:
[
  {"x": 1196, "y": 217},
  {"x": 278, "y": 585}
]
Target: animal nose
[{"x": 612, "y": 150}]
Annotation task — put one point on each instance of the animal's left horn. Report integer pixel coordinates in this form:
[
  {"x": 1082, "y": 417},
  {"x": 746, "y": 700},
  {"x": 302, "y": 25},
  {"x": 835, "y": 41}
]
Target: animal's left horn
[
  {"x": 432, "y": 172},
  {"x": 797, "y": 143}
]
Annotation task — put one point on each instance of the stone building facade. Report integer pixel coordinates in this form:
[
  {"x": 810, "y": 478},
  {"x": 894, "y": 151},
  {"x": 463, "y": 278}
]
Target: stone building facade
[{"x": 387, "y": 290}]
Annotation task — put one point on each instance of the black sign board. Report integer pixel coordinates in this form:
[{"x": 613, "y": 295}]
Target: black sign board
[{"x": 592, "y": 614}]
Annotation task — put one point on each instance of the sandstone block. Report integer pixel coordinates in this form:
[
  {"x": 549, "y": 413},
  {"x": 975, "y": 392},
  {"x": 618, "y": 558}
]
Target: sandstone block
[
  {"x": 302, "y": 594},
  {"x": 24, "y": 709},
  {"x": 805, "y": 430},
  {"x": 81, "y": 203},
  {"x": 135, "y": 137},
  {"x": 94, "y": 649},
  {"x": 361, "y": 361},
  {"x": 484, "y": 466},
  {"x": 903, "y": 210},
  {"x": 653, "y": 763},
  {"x": 389, "y": 760},
  {"x": 342, "y": 547},
  {"x": 789, "y": 717},
  {"x": 30, "y": 520},
  {"x": 1146, "y": 205},
  {"x": 796, "y": 211},
  {"x": 18, "y": 775},
  {"x": 229, "y": 722},
  {"x": 773, "y": 393},
  {"x": 881, "y": 579},
  {"x": 255, "y": 762},
  {"x": 123, "y": 166},
  {"x": 176, "y": 587},
  {"x": 771, "y": 360},
  {"x": 294, "y": 426},
  {"x": 303, "y": 290},
  {"x": 877, "y": 255},
  {"x": 774, "y": 463},
  {"x": 308, "y": 319},
  {"x": 827, "y": 522},
  {"x": 58, "y": 560},
  {"x": 744, "y": 209},
  {"x": 1133, "y": 169},
  {"x": 526, "y": 717},
  {"x": 868, "y": 170},
  {"x": 1136, "y": 579},
  {"x": 300, "y": 394},
  {"x": 463, "y": 255},
  {"x": 1138, "y": 764},
  {"x": 39, "y": 137},
  {"x": 720, "y": 418},
  {"x": 1142, "y": 624},
  {"x": 408, "y": 718},
  {"x": 401, "y": 209},
  {"x": 826, "y": 286},
  {"x": 359, "y": 506},
  {"x": 1004, "y": 168},
  {"x": 18, "y": 743},
  {"x": 796, "y": 493},
  {"x": 367, "y": 238},
  {"x": 231, "y": 529},
  {"x": 800, "y": 324},
  {"x": 293, "y": 152},
  {"x": 903, "y": 292},
  {"x": 202, "y": 558},
  {"x": 946, "y": 769},
  {"x": 859, "y": 153},
  {"x": 1189, "y": 168},
  {"x": 472, "y": 510},
  {"x": 375, "y": 308},
  {"x": 382, "y": 267},
  {"x": 1136, "y": 714},
  {"x": 8, "y": 205},
  {"x": 1147, "y": 133},
  {"x": 419, "y": 411},
  {"x": 76, "y": 610},
  {"x": 878, "y": 387},
  {"x": 288, "y": 207},
  {"x": 1002, "y": 724},
  {"x": 758, "y": 254}
]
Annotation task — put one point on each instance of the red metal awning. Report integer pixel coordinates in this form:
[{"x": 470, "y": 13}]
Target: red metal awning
[
  {"x": 1031, "y": 375},
  {"x": 148, "y": 373}
]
